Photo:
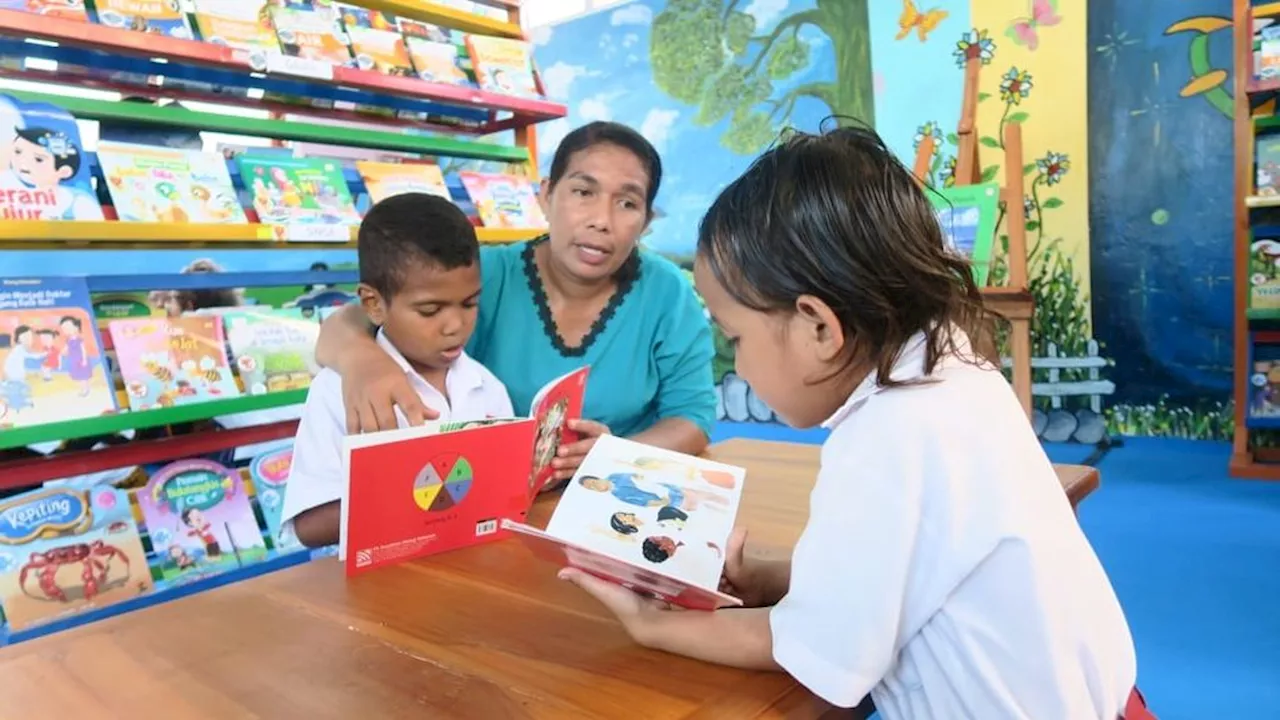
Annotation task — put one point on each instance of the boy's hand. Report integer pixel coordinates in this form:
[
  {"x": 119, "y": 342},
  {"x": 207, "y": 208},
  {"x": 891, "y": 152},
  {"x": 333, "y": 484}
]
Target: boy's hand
[
  {"x": 372, "y": 394},
  {"x": 570, "y": 456},
  {"x": 634, "y": 611}
]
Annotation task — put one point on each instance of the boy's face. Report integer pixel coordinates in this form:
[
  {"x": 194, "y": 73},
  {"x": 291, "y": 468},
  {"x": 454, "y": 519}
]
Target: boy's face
[
  {"x": 35, "y": 165},
  {"x": 777, "y": 353},
  {"x": 431, "y": 318}
]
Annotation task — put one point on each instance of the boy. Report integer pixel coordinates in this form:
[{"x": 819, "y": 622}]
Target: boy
[{"x": 420, "y": 284}]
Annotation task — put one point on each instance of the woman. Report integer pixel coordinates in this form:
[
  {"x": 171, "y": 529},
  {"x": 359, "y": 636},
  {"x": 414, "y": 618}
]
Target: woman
[{"x": 584, "y": 294}]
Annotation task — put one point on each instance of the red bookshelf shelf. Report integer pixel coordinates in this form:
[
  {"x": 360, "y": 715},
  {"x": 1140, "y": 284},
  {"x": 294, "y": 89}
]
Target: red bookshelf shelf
[{"x": 524, "y": 111}]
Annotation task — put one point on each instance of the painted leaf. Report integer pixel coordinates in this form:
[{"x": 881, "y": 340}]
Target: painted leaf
[
  {"x": 1033, "y": 225},
  {"x": 990, "y": 142},
  {"x": 989, "y": 173},
  {"x": 1028, "y": 169},
  {"x": 983, "y": 96},
  {"x": 1051, "y": 203},
  {"x": 953, "y": 138},
  {"x": 1018, "y": 117}
]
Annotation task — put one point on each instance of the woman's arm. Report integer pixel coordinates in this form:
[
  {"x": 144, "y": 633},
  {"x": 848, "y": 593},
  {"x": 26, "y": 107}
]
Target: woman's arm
[
  {"x": 676, "y": 434},
  {"x": 342, "y": 336}
]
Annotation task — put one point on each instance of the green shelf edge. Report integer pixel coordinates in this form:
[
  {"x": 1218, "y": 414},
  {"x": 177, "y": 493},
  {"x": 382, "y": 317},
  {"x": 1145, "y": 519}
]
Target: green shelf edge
[
  {"x": 1254, "y": 314},
  {"x": 129, "y": 420},
  {"x": 89, "y": 109},
  {"x": 1268, "y": 122}
]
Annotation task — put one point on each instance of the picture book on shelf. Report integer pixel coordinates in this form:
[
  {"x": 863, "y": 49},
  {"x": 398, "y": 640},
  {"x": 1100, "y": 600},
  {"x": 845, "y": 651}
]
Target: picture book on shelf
[
  {"x": 298, "y": 191},
  {"x": 437, "y": 53},
  {"x": 383, "y": 180},
  {"x": 172, "y": 361},
  {"x": 1267, "y": 148},
  {"x": 200, "y": 521},
  {"x": 270, "y": 474},
  {"x": 50, "y": 353},
  {"x": 243, "y": 25},
  {"x": 160, "y": 17},
  {"x": 168, "y": 185},
  {"x": 503, "y": 201},
  {"x": 61, "y": 9},
  {"x": 1264, "y": 274},
  {"x": 428, "y": 489},
  {"x": 311, "y": 32},
  {"x": 503, "y": 65},
  {"x": 44, "y": 174},
  {"x": 376, "y": 42},
  {"x": 64, "y": 550},
  {"x": 653, "y": 520},
  {"x": 274, "y": 349}
]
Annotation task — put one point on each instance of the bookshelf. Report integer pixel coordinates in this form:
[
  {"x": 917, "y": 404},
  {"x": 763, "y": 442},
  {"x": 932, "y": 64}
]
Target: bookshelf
[{"x": 397, "y": 113}]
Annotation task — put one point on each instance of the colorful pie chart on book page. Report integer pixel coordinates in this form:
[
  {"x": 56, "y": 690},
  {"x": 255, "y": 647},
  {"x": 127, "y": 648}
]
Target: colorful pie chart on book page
[{"x": 442, "y": 483}]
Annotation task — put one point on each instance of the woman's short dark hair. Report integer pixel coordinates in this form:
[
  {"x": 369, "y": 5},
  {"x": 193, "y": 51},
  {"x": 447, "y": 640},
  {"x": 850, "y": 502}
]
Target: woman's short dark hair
[
  {"x": 836, "y": 216},
  {"x": 602, "y": 132}
]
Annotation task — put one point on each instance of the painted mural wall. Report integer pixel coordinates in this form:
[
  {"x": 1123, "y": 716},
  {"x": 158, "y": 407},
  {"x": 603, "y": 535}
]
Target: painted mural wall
[{"x": 1126, "y": 143}]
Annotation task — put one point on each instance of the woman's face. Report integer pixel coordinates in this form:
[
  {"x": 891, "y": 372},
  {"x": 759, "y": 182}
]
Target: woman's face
[{"x": 596, "y": 211}]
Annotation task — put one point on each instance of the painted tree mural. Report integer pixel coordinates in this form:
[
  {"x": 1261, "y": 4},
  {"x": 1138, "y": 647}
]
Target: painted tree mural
[{"x": 710, "y": 54}]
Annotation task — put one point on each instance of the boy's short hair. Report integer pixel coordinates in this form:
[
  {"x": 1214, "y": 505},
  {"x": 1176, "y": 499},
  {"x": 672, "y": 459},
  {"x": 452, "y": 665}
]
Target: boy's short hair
[{"x": 412, "y": 228}]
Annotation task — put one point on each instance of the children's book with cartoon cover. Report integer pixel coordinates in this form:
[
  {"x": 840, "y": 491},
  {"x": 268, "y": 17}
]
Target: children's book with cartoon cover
[
  {"x": 1264, "y": 274},
  {"x": 406, "y": 488},
  {"x": 160, "y": 17},
  {"x": 51, "y": 358},
  {"x": 44, "y": 173},
  {"x": 650, "y": 519},
  {"x": 967, "y": 215},
  {"x": 244, "y": 25},
  {"x": 61, "y": 9},
  {"x": 439, "y": 54},
  {"x": 168, "y": 185},
  {"x": 503, "y": 201},
  {"x": 376, "y": 42},
  {"x": 200, "y": 521},
  {"x": 270, "y": 473},
  {"x": 65, "y": 550},
  {"x": 274, "y": 349},
  {"x": 1267, "y": 165},
  {"x": 503, "y": 65},
  {"x": 172, "y": 361},
  {"x": 311, "y": 31},
  {"x": 383, "y": 180},
  {"x": 298, "y": 191}
]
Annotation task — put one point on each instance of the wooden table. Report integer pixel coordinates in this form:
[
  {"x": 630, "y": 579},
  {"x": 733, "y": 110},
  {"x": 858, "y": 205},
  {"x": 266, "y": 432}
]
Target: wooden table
[{"x": 482, "y": 633}]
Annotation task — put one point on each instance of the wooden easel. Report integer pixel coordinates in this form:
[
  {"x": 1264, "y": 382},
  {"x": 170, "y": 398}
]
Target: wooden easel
[{"x": 1012, "y": 302}]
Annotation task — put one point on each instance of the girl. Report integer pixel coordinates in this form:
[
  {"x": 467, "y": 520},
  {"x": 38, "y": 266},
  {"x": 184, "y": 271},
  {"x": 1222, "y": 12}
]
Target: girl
[{"x": 941, "y": 570}]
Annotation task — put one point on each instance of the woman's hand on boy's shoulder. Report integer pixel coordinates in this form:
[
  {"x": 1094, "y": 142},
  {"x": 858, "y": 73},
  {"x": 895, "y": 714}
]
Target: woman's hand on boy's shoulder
[
  {"x": 371, "y": 396},
  {"x": 570, "y": 456}
]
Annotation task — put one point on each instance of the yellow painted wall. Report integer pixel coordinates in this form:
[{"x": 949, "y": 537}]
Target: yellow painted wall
[{"x": 1057, "y": 106}]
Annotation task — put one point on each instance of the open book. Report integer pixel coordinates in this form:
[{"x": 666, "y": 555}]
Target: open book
[
  {"x": 652, "y": 520},
  {"x": 441, "y": 486}
]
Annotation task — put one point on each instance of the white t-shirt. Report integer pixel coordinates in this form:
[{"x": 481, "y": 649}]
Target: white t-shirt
[
  {"x": 942, "y": 569},
  {"x": 316, "y": 477}
]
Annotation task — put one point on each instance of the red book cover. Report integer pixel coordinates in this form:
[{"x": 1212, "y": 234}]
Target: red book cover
[
  {"x": 554, "y": 405},
  {"x": 409, "y": 497}
]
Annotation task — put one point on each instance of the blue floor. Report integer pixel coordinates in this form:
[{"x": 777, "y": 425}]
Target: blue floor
[{"x": 1195, "y": 559}]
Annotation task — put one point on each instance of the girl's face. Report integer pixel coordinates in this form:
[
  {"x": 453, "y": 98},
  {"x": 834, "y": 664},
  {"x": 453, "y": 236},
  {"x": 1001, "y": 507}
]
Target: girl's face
[
  {"x": 780, "y": 355},
  {"x": 596, "y": 211}
]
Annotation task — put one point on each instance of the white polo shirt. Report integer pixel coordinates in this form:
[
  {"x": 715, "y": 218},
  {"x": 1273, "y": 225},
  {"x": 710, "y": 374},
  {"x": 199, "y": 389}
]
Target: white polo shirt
[
  {"x": 316, "y": 477},
  {"x": 942, "y": 569}
]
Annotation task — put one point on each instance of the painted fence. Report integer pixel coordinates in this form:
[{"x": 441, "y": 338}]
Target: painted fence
[{"x": 737, "y": 403}]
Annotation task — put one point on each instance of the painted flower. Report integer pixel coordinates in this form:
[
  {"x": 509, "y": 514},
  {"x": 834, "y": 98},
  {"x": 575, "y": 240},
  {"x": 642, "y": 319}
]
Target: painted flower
[
  {"x": 1052, "y": 167},
  {"x": 930, "y": 129},
  {"x": 948, "y": 172},
  {"x": 1029, "y": 206},
  {"x": 1015, "y": 85},
  {"x": 974, "y": 44}
]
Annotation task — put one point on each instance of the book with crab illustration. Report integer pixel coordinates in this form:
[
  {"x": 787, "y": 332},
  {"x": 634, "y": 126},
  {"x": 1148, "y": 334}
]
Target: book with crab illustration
[
  {"x": 65, "y": 550},
  {"x": 199, "y": 518},
  {"x": 172, "y": 361}
]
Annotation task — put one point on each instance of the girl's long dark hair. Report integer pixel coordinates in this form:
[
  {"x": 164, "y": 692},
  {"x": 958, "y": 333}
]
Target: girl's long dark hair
[{"x": 838, "y": 217}]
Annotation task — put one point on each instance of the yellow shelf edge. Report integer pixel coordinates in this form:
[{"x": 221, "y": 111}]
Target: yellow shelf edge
[
  {"x": 1260, "y": 201},
  {"x": 58, "y": 234},
  {"x": 446, "y": 16},
  {"x": 1266, "y": 10},
  {"x": 507, "y": 235}
]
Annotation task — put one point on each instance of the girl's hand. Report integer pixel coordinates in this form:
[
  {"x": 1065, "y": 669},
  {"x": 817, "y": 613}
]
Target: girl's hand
[
  {"x": 570, "y": 456},
  {"x": 746, "y": 578},
  {"x": 636, "y": 612},
  {"x": 372, "y": 395}
]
